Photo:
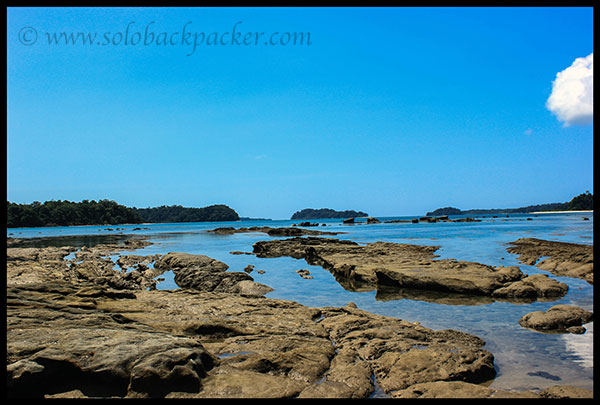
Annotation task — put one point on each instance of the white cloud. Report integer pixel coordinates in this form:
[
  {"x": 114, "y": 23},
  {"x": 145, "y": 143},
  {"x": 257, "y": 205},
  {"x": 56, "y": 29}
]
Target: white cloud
[{"x": 572, "y": 98}]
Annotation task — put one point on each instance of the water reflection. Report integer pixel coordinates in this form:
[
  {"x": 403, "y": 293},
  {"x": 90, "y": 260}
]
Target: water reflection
[
  {"x": 77, "y": 241},
  {"x": 517, "y": 351}
]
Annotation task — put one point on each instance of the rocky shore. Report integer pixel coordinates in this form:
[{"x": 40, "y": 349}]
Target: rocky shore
[
  {"x": 559, "y": 258},
  {"x": 202, "y": 273},
  {"x": 82, "y": 323},
  {"x": 290, "y": 231},
  {"x": 558, "y": 319},
  {"x": 385, "y": 265}
]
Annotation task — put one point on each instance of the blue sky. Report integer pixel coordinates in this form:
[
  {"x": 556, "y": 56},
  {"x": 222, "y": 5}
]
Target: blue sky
[{"x": 389, "y": 111}]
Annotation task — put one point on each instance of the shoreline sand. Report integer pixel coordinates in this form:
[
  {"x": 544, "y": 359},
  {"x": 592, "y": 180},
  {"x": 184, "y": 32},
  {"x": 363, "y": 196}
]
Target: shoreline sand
[{"x": 562, "y": 212}]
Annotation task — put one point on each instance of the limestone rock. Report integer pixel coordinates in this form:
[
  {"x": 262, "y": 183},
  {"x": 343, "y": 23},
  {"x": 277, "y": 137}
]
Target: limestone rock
[
  {"x": 458, "y": 389},
  {"x": 563, "y": 259},
  {"x": 559, "y": 318},
  {"x": 72, "y": 334},
  {"x": 461, "y": 389},
  {"x": 200, "y": 272},
  {"x": 385, "y": 265},
  {"x": 58, "y": 341},
  {"x": 66, "y": 340},
  {"x": 566, "y": 391},
  {"x": 282, "y": 231}
]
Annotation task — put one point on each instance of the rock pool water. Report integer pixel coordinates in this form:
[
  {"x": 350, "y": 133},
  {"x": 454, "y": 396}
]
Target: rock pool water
[{"x": 524, "y": 359}]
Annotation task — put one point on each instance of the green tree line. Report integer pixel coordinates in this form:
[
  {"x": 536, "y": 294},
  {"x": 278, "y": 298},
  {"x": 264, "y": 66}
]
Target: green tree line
[
  {"x": 65, "y": 213},
  {"x": 584, "y": 201},
  {"x": 107, "y": 212}
]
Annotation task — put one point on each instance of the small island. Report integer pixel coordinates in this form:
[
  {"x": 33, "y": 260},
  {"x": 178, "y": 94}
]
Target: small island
[
  {"x": 177, "y": 213},
  {"x": 310, "y": 213}
]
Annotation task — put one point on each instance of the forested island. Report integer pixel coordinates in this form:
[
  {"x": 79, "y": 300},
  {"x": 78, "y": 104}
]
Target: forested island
[
  {"x": 177, "y": 213},
  {"x": 584, "y": 201},
  {"x": 65, "y": 213},
  {"x": 310, "y": 213},
  {"x": 107, "y": 212}
]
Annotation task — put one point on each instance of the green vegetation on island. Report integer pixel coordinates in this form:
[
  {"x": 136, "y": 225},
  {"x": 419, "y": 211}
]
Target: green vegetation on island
[
  {"x": 584, "y": 201},
  {"x": 177, "y": 213},
  {"x": 310, "y": 213},
  {"x": 66, "y": 213},
  {"x": 107, "y": 212}
]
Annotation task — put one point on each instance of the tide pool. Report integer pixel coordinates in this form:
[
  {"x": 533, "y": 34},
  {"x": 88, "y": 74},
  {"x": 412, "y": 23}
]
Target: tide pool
[{"x": 524, "y": 359}]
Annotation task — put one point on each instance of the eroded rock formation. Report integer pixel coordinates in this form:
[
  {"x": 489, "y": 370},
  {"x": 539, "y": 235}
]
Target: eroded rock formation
[
  {"x": 79, "y": 326},
  {"x": 411, "y": 267},
  {"x": 559, "y": 258},
  {"x": 558, "y": 319}
]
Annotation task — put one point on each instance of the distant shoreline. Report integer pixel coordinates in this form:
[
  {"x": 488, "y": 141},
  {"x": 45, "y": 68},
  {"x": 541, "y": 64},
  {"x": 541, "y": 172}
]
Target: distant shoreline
[
  {"x": 252, "y": 219},
  {"x": 558, "y": 212}
]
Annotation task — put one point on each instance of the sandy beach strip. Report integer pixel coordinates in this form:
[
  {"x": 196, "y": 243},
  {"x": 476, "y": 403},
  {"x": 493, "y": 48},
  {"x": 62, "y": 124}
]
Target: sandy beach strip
[{"x": 561, "y": 212}]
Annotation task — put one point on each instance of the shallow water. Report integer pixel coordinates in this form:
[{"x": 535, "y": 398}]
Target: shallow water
[{"x": 524, "y": 359}]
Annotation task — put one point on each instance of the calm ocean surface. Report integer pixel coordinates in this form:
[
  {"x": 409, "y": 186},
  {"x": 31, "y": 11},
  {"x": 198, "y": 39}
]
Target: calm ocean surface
[{"x": 524, "y": 359}]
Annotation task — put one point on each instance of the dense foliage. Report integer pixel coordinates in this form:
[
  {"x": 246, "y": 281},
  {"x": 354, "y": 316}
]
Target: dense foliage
[
  {"x": 177, "y": 213},
  {"x": 107, "y": 212},
  {"x": 445, "y": 211},
  {"x": 310, "y": 213},
  {"x": 583, "y": 201},
  {"x": 64, "y": 213}
]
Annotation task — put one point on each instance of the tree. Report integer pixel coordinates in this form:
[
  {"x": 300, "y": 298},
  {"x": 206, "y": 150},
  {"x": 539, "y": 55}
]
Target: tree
[
  {"x": 65, "y": 213},
  {"x": 584, "y": 201}
]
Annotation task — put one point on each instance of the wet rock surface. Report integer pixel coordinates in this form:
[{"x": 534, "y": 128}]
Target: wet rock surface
[
  {"x": 136, "y": 272},
  {"x": 203, "y": 273},
  {"x": 291, "y": 231},
  {"x": 59, "y": 339},
  {"x": 558, "y": 319},
  {"x": 559, "y": 258},
  {"x": 78, "y": 325},
  {"x": 385, "y": 265},
  {"x": 102, "y": 342},
  {"x": 87, "y": 264},
  {"x": 444, "y": 218},
  {"x": 460, "y": 389}
]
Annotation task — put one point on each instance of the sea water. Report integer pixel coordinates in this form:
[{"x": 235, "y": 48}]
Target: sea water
[{"x": 524, "y": 359}]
